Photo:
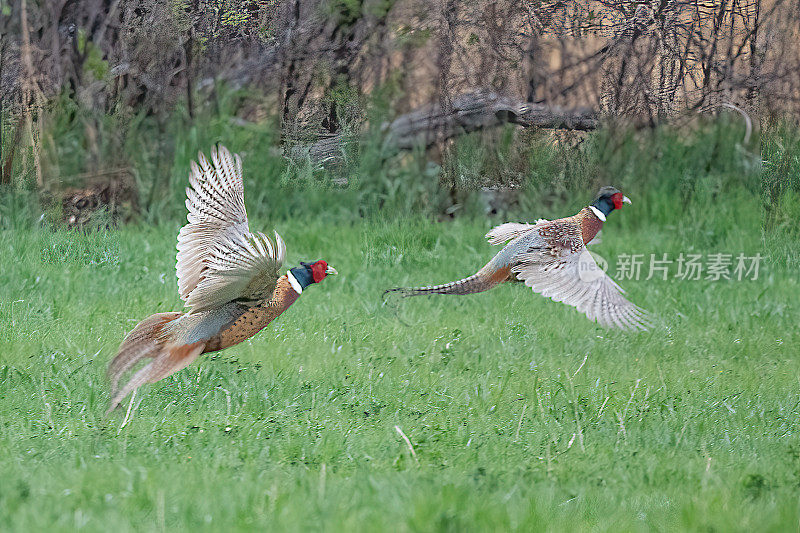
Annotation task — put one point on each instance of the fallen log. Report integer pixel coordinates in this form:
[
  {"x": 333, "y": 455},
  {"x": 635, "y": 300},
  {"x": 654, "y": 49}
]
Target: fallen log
[{"x": 467, "y": 113}]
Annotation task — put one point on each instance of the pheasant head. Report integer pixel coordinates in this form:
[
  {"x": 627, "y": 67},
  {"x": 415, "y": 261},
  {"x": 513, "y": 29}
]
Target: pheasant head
[
  {"x": 608, "y": 199},
  {"x": 308, "y": 273}
]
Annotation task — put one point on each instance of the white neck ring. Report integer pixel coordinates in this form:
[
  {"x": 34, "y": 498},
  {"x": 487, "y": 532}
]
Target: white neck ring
[
  {"x": 294, "y": 283},
  {"x": 599, "y": 214}
]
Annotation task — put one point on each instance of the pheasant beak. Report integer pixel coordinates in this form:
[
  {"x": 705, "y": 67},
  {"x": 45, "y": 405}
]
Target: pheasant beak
[
  {"x": 626, "y": 200},
  {"x": 330, "y": 270}
]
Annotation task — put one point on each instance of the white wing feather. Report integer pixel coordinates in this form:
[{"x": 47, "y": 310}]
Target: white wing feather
[
  {"x": 219, "y": 260},
  {"x": 509, "y": 231},
  {"x": 594, "y": 294}
]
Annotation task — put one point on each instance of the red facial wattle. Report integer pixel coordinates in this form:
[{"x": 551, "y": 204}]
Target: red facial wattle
[
  {"x": 617, "y": 199},
  {"x": 318, "y": 270}
]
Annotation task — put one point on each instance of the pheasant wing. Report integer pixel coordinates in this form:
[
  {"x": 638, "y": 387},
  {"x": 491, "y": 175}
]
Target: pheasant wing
[
  {"x": 575, "y": 279},
  {"x": 509, "y": 231},
  {"x": 219, "y": 259}
]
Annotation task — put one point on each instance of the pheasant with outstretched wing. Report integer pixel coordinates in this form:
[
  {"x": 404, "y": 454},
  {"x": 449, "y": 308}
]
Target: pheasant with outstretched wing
[
  {"x": 228, "y": 277},
  {"x": 550, "y": 257}
]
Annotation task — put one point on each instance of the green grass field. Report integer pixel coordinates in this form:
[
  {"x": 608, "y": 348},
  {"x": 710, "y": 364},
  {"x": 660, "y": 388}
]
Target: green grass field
[{"x": 521, "y": 413}]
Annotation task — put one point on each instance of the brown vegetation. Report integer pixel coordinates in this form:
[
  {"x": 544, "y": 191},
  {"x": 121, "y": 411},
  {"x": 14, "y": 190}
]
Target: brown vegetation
[{"x": 319, "y": 61}]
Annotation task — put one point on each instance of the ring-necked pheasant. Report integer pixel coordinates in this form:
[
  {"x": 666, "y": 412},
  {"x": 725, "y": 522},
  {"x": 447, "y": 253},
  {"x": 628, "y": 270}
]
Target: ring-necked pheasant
[
  {"x": 227, "y": 276},
  {"x": 551, "y": 258}
]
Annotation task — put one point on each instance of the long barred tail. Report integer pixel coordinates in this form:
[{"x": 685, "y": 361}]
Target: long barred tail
[
  {"x": 470, "y": 285},
  {"x": 148, "y": 341}
]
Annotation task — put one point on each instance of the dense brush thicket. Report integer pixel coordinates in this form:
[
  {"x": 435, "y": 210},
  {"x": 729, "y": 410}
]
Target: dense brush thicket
[
  {"x": 104, "y": 103},
  {"x": 510, "y": 171}
]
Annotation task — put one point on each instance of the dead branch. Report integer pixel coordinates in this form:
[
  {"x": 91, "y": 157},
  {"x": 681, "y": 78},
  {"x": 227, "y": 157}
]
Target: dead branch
[{"x": 469, "y": 112}]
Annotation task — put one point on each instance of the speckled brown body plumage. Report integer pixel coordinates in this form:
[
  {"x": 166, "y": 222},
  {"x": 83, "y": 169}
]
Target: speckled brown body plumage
[
  {"x": 571, "y": 234},
  {"x": 549, "y": 256},
  {"x": 589, "y": 223},
  {"x": 255, "y": 318}
]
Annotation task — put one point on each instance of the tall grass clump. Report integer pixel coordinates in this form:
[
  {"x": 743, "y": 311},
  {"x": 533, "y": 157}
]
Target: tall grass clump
[{"x": 780, "y": 191}]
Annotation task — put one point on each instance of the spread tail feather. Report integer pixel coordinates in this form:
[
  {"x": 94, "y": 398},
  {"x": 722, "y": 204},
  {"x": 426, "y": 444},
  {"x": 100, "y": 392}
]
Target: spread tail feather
[
  {"x": 149, "y": 340},
  {"x": 475, "y": 283}
]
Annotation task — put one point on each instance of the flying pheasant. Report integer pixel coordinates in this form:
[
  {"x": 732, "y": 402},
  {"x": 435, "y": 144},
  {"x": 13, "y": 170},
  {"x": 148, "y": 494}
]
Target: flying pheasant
[
  {"x": 551, "y": 258},
  {"x": 228, "y": 277}
]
